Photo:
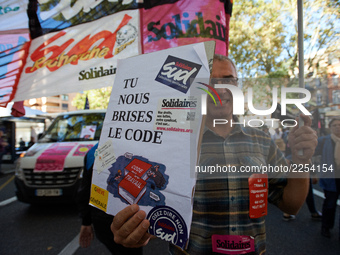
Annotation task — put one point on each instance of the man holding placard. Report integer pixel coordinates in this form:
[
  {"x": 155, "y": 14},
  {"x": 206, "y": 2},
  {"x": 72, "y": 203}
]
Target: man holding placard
[{"x": 228, "y": 210}]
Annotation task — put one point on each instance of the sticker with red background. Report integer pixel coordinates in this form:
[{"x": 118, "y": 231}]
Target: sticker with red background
[
  {"x": 53, "y": 158},
  {"x": 232, "y": 244},
  {"x": 258, "y": 195}
]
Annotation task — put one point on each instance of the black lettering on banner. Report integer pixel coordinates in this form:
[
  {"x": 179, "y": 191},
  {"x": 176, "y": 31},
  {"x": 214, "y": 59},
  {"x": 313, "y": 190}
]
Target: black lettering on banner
[
  {"x": 96, "y": 73},
  {"x": 183, "y": 27}
]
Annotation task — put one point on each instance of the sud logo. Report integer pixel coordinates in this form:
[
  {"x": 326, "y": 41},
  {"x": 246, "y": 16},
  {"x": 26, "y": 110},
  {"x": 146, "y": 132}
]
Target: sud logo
[{"x": 178, "y": 73}]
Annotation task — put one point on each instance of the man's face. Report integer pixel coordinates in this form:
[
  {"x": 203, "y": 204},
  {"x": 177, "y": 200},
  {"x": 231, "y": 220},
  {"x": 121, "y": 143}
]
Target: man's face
[
  {"x": 225, "y": 70},
  {"x": 335, "y": 128}
]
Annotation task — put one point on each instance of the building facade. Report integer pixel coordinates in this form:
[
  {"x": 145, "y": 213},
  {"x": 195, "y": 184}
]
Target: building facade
[{"x": 53, "y": 104}]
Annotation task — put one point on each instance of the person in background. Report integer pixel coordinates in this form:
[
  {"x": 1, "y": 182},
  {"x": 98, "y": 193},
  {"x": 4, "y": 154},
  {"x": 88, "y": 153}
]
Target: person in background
[
  {"x": 31, "y": 142},
  {"x": 277, "y": 137},
  {"x": 329, "y": 149},
  {"x": 277, "y": 134},
  {"x": 22, "y": 144},
  {"x": 95, "y": 221},
  {"x": 3, "y": 145},
  {"x": 266, "y": 130},
  {"x": 285, "y": 134},
  {"x": 221, "y": 204}
]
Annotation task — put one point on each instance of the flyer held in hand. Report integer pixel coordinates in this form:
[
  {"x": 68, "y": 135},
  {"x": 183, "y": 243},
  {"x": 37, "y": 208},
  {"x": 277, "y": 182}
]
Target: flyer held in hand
[{"x": 149, "y": 143}]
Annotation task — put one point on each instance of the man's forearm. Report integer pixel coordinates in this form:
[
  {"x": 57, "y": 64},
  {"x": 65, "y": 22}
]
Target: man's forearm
[{"x": 295, "y": 193}]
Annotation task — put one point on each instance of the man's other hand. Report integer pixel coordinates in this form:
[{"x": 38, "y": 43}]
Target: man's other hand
[{"x": 303, "y": 138}]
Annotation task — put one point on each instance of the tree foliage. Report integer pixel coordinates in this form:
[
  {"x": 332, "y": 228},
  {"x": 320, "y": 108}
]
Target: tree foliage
[
  {"x": 263, "y": 36},
  {"x": 98, "y": 98},
  {"x": 321, "y": 34},
  {"x": 256, "y": 36}
]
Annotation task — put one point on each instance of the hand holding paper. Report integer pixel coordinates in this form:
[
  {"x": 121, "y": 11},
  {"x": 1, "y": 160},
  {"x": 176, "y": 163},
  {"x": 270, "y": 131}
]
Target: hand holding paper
[{"x": 130, "y": 227}]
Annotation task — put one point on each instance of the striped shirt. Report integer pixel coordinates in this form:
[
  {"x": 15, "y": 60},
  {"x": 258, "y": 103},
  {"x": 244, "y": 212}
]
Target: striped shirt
[{"x": 221, "y": 201}]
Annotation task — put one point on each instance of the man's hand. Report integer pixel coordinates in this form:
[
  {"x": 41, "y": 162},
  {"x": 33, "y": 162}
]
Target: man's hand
[
  {"x": 300, "y": 138},
  {"x": 85, "y": 236},
  {"x": 129, "y": 227},
  {"x": 303, "y": 138}
]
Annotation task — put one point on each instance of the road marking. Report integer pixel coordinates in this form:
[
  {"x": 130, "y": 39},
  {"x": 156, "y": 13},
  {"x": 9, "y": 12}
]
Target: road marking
[
  {"x": 322, "y": 195},
  {"x": 71, "y": 247},
  {"x": 7, "y": 182},
  {"x": 8, "y": 201}
]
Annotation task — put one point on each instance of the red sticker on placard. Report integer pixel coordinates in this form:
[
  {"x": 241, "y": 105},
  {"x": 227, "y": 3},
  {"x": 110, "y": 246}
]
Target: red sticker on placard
[
  {"x": 232, "y": 244},
  {"x": 258, "y": 195}
]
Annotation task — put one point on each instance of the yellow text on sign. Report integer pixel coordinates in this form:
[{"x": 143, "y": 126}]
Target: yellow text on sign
[{"x": 99, "y": 197}]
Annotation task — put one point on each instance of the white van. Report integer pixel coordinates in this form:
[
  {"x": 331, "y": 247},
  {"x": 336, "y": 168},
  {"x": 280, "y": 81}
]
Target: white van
[{"x": 51, "y": 169}]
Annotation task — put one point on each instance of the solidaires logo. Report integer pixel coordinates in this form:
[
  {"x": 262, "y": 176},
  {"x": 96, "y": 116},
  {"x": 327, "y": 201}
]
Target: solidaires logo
[{"x": 178, "y": 73}]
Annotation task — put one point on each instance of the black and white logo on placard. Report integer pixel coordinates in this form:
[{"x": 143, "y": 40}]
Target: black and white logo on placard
[{"x": 178, "y": 73}]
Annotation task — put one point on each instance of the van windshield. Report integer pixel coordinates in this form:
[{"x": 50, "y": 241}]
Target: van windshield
[{"x": 75, "y": 127}]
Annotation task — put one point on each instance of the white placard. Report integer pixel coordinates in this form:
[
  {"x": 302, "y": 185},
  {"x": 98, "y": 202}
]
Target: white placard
[{"x": 153, "y": 120}]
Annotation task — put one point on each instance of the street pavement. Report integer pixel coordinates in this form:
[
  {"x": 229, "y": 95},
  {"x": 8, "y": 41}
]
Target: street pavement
[
  {"x": 155, "y": 247},
  {"x": 297, "y": 237},
  {"x": 7, "y": 168}
]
